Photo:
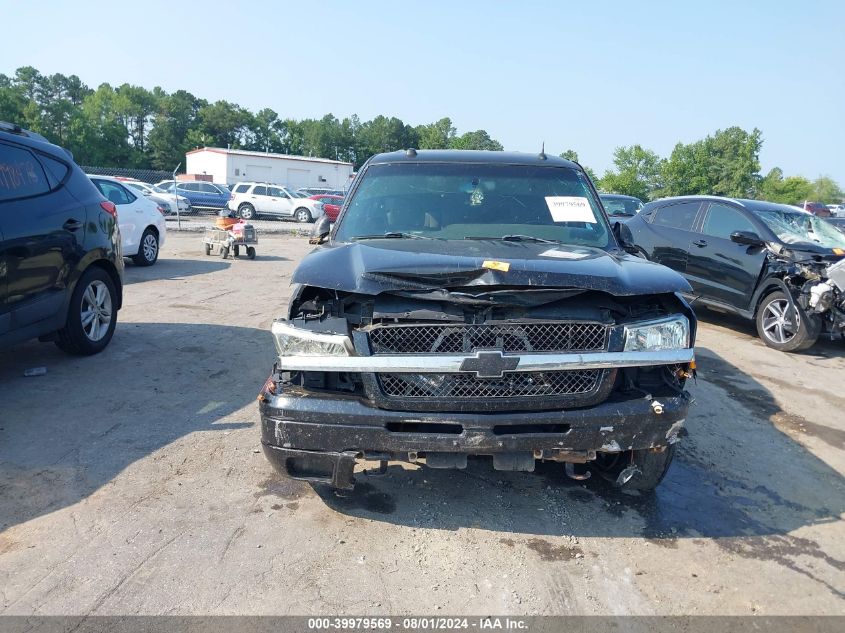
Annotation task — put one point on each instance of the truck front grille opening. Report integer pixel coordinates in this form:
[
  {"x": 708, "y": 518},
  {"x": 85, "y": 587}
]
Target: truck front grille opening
[
  {"x": 424, "y": 427},
  {"x": 513, "y": 384},
  {"x": 558, "y": 336}
]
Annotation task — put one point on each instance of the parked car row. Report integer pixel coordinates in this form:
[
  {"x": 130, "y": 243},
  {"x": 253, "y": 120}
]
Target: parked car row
[
  {"x": 200, "y": 194},
  {"x": 252, "y": 200},
  {"x": 618, "y": 205},
  {"x": 170, "y": 202},
  {"x": 816, "y": 208}
]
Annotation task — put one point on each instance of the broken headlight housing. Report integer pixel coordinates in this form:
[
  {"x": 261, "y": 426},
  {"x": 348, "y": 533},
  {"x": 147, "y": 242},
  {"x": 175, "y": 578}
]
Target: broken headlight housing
[
  {"x": 651, "y": 336},
  {"x": 295, "y": 341}
]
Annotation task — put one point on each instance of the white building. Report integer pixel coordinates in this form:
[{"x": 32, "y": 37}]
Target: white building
[{"x": 228, "y": 166}]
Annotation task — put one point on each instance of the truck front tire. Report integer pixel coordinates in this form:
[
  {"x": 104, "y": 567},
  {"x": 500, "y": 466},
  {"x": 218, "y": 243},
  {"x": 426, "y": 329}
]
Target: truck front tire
[{"x": 636, "y": 470}]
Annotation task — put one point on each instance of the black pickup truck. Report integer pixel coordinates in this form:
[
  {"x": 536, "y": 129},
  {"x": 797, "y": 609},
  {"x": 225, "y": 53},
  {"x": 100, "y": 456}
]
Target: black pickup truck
[{"x": 478, "y": 304}]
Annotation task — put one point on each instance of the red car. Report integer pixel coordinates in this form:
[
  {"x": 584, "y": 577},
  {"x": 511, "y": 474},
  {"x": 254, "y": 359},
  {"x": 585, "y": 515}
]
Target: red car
[
  {"x": 816, "y": 208},
  {"x": 331, "y": 204}
]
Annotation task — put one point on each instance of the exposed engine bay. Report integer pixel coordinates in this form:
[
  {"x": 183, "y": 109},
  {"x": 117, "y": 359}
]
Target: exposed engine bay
[
  {"x": 464, "y": 320},
  {"x": 819, "y": 288}
]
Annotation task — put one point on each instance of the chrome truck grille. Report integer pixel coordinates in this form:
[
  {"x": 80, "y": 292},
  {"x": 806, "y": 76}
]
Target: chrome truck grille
[
  {"x": 510, "y": 338},
  {"x": 511, "y": 390}
]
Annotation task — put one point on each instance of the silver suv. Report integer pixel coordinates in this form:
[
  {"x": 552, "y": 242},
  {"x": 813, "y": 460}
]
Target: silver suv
[{"x": 254, "y": 199}]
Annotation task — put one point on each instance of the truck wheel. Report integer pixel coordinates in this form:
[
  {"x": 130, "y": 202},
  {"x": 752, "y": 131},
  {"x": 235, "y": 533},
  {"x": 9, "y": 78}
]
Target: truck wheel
[
  {"x": 636, "y": 470},
  {"x": 208, "y": 249},
  {"x": 236, "y": 250},
  {"x": 224, "y": 252},
  {"x": 775, "y": 329},
  {"x": 250, "y": 252},
  {"x": 91, "y": 316},
  {"x": 303, "y": 215},
  {"x": 247, "y": 211}
]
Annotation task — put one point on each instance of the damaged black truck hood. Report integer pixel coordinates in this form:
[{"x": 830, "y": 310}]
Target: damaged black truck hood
[{"x": 375, "y": 266}]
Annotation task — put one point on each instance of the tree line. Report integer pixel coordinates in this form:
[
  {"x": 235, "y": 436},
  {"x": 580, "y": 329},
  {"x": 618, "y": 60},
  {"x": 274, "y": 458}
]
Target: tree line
[
  {"x": 131, "y": 126},
  {"x": 726, "y": 163}
]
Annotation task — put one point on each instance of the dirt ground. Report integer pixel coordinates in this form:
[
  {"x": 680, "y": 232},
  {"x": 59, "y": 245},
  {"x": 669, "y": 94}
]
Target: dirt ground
[{"x": 132, "y": 483}]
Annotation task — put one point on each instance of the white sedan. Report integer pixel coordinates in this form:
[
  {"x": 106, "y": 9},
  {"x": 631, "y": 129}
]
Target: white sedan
[
  {"x": 141, "y": 220},
  {"x": 157, "y": 194}
]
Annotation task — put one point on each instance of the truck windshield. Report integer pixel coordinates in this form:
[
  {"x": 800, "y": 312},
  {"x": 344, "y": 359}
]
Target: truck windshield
[{"x": 456, "y": 201}]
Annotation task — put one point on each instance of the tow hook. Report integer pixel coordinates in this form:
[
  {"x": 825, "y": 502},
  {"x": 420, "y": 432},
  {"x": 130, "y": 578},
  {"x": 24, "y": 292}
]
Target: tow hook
[
  {"x": 627, "y": 474},
  {"x": 569, "y": 469},
  {"x": 657, "y": 407}
]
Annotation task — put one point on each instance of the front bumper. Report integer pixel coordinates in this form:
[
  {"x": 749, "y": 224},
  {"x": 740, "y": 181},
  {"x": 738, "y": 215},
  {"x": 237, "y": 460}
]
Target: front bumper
[{"x": 318, "y": 436}]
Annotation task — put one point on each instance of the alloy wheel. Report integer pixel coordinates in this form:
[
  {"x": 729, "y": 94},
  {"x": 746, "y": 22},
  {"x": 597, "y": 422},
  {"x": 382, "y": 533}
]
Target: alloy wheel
[
  {"x": 150, "y": 247},
  {"x": 776, "y": 323},
  {"x": 96, "y": 310}
]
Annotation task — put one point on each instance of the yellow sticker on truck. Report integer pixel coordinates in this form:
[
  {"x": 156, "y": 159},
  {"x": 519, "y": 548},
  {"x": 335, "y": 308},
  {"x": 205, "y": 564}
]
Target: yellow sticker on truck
[{"x": 494, "y": 265}]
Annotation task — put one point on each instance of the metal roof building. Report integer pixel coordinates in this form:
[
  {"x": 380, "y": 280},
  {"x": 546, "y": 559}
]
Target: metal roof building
[{"x": 236, "y": 165}]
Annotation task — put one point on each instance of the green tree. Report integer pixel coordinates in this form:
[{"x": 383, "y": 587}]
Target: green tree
[
  {"x": 479, "y": 139},
  {"x": 136, "y": 106},
  {"x": 775, "y": 188},
  {"x": 637, "y": 173},
  {"x": 724, "y": 164},
  {"x": 221, "y": 124},
  {"x": 167, "y": 141},
  {"x": 437, "y": 135},
  {"x": 570, "y": 154},
  {"x": 826, "y": 190},
  {"x": 97, "y": 135},
  {"x": 735, "y": 166},
  {"x": 12, "y": 101},
  {"x": 384, "y": 134}
]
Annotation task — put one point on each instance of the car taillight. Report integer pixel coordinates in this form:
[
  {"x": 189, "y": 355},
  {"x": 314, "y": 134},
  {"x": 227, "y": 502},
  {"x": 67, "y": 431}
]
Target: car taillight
[
  {"x": 109, "y": 208},
  {"x": 161, "y": 210}
]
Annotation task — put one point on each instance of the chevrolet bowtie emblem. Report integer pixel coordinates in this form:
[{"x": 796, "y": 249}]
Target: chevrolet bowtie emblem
[{"x": 489, "y": 364}]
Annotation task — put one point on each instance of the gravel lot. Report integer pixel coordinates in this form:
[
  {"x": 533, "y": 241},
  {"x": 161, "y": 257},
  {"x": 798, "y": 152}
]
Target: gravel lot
[{"x": 132, "y": 483}]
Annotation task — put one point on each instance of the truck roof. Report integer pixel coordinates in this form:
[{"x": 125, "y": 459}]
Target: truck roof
[{"x": 471, "y": 156}]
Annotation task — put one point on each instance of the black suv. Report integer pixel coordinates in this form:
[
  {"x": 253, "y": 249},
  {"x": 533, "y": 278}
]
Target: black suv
[
  {"x": 60, "y": 263},
  {"x": 478, "y": 304},
  {"x": 770, "y": 262}
]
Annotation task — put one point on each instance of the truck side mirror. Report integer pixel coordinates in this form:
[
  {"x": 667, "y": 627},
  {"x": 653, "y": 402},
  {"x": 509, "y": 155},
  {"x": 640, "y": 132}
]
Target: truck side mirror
[
  {"x": 320, "y": 231},
  {"x": 625, "y": 237}
]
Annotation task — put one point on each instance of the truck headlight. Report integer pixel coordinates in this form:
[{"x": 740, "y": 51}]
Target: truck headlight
[
  {"x": 650, "y": 336},
  {"x": 294, "y": 341}
]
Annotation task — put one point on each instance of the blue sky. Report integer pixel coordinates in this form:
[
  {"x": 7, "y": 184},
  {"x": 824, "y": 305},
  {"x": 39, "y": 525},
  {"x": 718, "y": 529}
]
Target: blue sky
[{"x": 587, "y": 76}]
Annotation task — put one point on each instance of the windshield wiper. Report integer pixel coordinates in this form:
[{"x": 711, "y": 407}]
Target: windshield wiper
[
  {"x": 514, "y": 238},
  {"x": 395, "y": 235}
]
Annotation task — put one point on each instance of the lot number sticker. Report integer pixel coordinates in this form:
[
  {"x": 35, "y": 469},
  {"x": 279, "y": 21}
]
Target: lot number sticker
[{"x": 570, "y": 209}]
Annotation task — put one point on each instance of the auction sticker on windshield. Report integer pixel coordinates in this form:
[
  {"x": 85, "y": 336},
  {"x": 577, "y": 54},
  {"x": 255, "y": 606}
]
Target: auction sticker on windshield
[{"x": 570, "y": 209}]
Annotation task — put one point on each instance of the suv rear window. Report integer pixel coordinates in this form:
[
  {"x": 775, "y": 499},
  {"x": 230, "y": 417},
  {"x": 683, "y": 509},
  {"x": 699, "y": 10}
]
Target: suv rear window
[
  {"x": 21, "y": 175},
  {"x": 241, "y": 188}
]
